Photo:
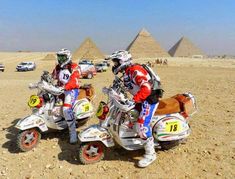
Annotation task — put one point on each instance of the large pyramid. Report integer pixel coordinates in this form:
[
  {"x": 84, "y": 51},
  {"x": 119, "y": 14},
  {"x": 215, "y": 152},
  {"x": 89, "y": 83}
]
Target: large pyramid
[
  {"x": 185, "y": 48},
  {"x": 88, "y": 50},
  {"x": 145, "y": 46}
]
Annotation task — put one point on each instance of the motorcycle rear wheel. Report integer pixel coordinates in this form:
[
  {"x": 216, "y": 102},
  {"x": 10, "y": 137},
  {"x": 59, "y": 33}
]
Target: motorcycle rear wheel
[
  {"x": 28, "y": 139},
  {"x": 91, "y": 152},
  {"x": 81, "y": 122},
  {"x": 166, "y": 145}
]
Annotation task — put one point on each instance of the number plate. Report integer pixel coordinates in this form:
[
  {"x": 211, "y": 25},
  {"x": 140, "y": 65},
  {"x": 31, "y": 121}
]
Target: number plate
[
  {"x": 173, "y": 126},
  {"x": 34, "y": 100},
  {"x": 86, "y": 107}
]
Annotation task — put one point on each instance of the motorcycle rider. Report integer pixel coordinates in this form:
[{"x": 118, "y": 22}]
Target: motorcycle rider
[
  {"x": 138, "y": 82},
  {"x": 67, "y": 75}
]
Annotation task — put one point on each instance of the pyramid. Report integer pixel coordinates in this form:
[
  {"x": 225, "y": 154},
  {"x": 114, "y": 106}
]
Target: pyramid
[
  {"x": 88, "y": 50},
  {"x": 49, "y": 57},
  {"x": 145, "y": 46},
  {"x": 185, "y": 48}
]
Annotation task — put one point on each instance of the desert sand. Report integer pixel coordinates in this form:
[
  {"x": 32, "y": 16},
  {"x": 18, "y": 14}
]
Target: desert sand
[{"x": 208, "y": 153}]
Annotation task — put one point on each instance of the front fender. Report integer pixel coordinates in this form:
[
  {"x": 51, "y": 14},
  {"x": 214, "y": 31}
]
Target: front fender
[
  {"x": 96, "y": 133},
  {"x": 32, "y": 121}
]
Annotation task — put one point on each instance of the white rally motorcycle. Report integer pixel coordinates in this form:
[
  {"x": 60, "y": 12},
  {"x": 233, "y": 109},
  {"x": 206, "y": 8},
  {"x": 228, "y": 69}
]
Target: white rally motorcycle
[
  {"x": 47, "y": 112},
  {"x": 118, "y": 118}
]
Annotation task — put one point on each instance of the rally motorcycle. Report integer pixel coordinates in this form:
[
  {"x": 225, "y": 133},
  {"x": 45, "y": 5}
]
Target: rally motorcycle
[
  {"x": 118, "y": 118},
  {"x": 47, "y": 114}
]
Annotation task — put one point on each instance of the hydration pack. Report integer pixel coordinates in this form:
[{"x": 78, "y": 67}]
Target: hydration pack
[{"x": 157, "y": 91}]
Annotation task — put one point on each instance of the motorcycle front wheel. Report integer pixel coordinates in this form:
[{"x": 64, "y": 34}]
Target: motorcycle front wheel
[
  {"x": 91, "y": 152},
  {"x": 28, "y": 139}
]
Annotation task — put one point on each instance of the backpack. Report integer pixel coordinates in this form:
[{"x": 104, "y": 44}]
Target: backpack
[{"x": 157, "y": 91}]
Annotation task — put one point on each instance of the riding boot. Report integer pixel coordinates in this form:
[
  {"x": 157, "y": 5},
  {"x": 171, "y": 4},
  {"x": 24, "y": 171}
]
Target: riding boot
[
  {"x": 73, "y": 133},
  {"x": 149, "y": 155},
  {"x": 68, "y": 114}
]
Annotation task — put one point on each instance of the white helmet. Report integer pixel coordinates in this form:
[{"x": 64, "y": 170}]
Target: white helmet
[
  {"x": 64, "y": 57},
  {"x": 121, "y": 60}
]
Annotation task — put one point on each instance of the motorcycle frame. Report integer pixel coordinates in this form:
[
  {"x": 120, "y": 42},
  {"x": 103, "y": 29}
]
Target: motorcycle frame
[
  {"x": 42, "y": 119},
  {"x": 106, "y": 128}
]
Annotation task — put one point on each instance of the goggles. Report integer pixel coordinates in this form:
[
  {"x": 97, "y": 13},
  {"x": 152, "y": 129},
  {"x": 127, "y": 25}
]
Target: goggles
[
  {"x": 116, "y": 61},
  {"x": 61, "y": 58}
]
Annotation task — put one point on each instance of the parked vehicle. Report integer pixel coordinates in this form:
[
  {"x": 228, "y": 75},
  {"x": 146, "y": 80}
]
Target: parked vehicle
[
  {"x": 26, "y": 66},
  {"x": 86, "y": 61},
  {"x": 118, "y": 117},
  {"x": 100, "y": 67},
  {"x": 106, "y": 62},
  {"x": 87, "y": 70},
  {"x": 2, "y": 67},
  {"x": 47, "y": 112}
]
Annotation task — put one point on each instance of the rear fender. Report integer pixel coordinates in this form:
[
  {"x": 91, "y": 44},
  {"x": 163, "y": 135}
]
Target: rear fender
[
  {"x": 171, "y": 127},
  {"x": 96, "y": 133},
  {"x": 32, "y": 121},
  {"x": 83, "y": 109}
]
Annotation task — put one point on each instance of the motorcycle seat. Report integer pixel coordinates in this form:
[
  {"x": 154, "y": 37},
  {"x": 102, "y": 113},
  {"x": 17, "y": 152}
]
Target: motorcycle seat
[
  {"x": 82, "y": 94},
  {"x": 168, "y": 106},
  {"x": 86, "y": 91}
]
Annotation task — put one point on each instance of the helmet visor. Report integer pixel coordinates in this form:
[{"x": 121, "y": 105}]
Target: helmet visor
[{"x": 61, "y": 58}]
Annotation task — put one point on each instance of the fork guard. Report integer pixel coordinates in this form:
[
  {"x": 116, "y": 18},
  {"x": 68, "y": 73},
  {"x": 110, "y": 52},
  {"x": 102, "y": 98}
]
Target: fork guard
[{"x": 96, "y": 133}]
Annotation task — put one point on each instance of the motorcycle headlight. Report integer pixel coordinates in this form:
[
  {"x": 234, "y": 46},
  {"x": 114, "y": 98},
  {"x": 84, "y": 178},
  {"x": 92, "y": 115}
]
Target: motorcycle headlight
[{"x": 102, "y": 110}]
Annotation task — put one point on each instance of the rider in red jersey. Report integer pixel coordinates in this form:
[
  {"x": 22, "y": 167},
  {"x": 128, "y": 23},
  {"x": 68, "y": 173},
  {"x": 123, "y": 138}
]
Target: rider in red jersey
[
  {"x": 140, "y": 84},
  {"x": 67, "y": 75}
]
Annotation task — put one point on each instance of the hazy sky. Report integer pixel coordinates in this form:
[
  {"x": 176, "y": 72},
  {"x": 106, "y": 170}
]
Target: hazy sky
[{"x": 47, "y": 25}]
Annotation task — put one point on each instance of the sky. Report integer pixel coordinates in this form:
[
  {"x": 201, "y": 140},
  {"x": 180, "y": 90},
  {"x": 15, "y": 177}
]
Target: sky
[{"x": 48, "y": 25}]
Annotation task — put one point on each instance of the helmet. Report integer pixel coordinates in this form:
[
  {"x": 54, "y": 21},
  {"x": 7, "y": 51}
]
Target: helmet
[
  {"x": 64, "y": 57},
  {"x": 121, "y": 60}
]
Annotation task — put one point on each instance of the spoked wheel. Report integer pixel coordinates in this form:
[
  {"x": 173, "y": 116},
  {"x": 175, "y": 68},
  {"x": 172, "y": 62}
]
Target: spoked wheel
[
  {"x": 91, "y": 152},
  {"x": 28, "y": 139}
]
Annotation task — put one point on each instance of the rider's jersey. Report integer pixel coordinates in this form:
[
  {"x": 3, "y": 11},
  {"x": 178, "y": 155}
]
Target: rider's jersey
[
  {"x": 136, "y": 78},
  {"x": 67, "y": 76}
]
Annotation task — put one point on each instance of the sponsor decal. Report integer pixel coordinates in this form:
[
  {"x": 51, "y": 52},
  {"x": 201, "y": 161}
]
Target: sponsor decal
[
  {"x": 90, "y": 137},
  {"x": 28, "y": 124},
  {"x": 105, "y": 136}
]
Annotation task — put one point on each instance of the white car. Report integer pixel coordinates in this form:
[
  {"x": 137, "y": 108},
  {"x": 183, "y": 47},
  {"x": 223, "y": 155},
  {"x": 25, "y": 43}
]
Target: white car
[
  {"x": 2, "y": 67},
  {"x": 100, "y": 67},
  {"x": 86, "y": 61},
  {"x": 26, "y": 66},
  {"x": 87, "y": 70}
]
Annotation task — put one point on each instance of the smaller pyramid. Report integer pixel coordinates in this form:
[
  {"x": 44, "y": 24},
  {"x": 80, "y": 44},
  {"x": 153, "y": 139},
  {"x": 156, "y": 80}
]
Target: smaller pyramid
[
  {"x": 88, "y": 50},
  {"x": 49, "y": 57},
  {"x": 145, "y": 46},
  {"x": 185, "y": 48}
]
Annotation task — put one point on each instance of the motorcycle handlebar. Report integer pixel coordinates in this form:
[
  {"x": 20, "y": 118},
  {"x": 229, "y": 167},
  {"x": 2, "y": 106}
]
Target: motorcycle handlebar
[{"x": 43, "y": 85}]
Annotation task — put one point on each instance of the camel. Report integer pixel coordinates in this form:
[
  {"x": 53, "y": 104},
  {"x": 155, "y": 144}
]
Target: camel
[{"x": 165, "y": 62}]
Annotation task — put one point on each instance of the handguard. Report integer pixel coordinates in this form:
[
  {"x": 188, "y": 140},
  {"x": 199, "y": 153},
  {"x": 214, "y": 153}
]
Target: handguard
[{"x": 51, "y": 88}]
